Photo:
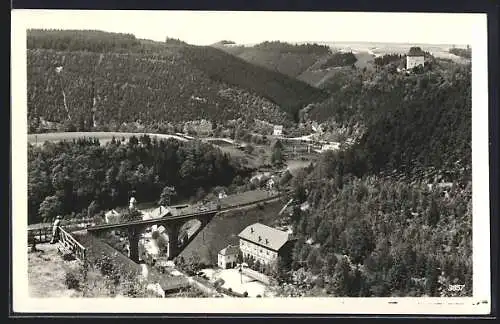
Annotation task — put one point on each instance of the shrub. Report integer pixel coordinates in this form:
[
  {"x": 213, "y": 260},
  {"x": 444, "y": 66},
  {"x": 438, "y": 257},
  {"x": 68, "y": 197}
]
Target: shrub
[
  {"x": 72, "y": 281},
  {"x": 245, "y": 294},
  {"x": 68, "y": 256}
]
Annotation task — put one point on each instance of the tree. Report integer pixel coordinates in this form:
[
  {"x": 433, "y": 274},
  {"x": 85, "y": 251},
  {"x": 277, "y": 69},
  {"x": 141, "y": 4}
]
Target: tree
[
  {"x": 249, "y": 149},
  {"x": 277, "y": 157},
  {"x": 314, "y": 261},
  {"x": 92, "y": 209},
  {"x": 166, "y": 195},
  {"x": 433, "y": 213},
  {"x": 342, "y": 278},
  {"x": 130, "y": 215},
  {"x": 50, "y": 208},
  {"x": 329, "y": 263}
]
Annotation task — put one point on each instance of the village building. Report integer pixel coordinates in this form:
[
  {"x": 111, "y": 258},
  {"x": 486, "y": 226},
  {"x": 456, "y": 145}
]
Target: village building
[
  {"x": 112, "y": 216},
  {"x": 271, "y": 184},
  {"x": 201, "y": 127},
  {"x": 316, "y": 127},
  {"x": 265, "y": 244},
  {"x": 168, "y": 285},
  {"x": 278, "y": 130},
  {"x": 330, "y": 147},
  {"x": 305, "y": 206},
  {"x": 222, "y": 194},
  {"x": 228, "y": 257}
]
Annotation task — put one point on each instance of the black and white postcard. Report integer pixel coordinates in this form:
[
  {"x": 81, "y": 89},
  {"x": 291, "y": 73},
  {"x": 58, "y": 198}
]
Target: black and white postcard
[{"x": 250, "y": 162}]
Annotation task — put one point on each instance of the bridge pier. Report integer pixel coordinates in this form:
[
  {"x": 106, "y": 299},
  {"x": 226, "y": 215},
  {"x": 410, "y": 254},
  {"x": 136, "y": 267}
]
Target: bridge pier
[
  {"x": 204, "y": 222},
  {"x": 172, "y": 230},
  {"x": 133, "y": 239}
]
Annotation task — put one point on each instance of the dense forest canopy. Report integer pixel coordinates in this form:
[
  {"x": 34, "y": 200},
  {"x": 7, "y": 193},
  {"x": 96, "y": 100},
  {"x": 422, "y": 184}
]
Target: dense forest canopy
[
  {"x": 290, "y": 94},
  {"x": 410, "y": 120},
  {"x": 391, "y": 214},
  {"x": 69, "y": 177},
  {"x": 84, "y": 78},
  {"x": 370, "y": 236},
  {"x": 81, "y": 40},
  {"x": 416, "y": 51},
  {"x": 308, "y": 48},
  {"x": 286, "y": 58},
  {"x": 462, "y": 52},
  {"x": 387, "y": 58},
  {"x": 339, "y": 59}
]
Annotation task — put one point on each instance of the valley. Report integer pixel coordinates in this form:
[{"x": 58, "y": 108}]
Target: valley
[{"x": 343, "y": 160}]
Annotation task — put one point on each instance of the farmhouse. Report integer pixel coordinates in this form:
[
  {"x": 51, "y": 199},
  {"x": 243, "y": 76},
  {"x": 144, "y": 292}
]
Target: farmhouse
[
  {"x": 227, "y": 256},
  {"x": 265, "y": 244}
]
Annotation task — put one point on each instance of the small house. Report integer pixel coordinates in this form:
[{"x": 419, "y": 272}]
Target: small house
[
  {"x": 228, "y": 257},
  {"x": 278, "y": 130},
  {"x": 222, "y": 195},
  {"x": 304, "y": 206}
]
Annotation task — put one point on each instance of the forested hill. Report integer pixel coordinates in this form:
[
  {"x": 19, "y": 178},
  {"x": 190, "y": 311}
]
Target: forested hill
[
  {"x": 94, "y": 77},
  {"x": 289, "y": 59},
  {"x": 378, "y": 222},
  {"x": 421, "y": 119}
]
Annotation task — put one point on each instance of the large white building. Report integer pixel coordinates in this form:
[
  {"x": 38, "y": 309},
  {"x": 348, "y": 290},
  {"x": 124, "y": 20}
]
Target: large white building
[
  {"x": 413, "y": 61},
  {"x": 414, "y": 58},
  {"x": 264, "y": 243}
]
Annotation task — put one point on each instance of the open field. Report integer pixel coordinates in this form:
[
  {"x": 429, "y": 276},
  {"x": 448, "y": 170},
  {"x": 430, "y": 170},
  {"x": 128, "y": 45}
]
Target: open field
[
  {"x": 224, "y": 230},
  {"x": 104, "y": 137},
  {"x": 243, "y": 198}
]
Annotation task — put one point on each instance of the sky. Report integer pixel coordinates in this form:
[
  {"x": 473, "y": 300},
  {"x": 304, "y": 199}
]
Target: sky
[{"x": 205, "y": 27}]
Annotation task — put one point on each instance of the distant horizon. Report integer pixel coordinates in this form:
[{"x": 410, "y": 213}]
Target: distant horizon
[
  {"x": 246, "y": 27},
  {"x": 319, "y": 42}
]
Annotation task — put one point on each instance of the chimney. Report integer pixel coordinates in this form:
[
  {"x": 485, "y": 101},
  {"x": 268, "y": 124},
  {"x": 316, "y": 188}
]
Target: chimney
[{"x": 267, "y": 241}]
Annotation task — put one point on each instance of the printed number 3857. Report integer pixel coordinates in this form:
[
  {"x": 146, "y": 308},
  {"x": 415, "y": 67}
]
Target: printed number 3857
[{"x": 455, "y": 287}]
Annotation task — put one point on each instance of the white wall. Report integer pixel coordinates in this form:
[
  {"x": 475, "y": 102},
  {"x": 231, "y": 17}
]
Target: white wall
[
  {"x": 412, "y": 61},
  {"x": 258, "y": 252}
]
